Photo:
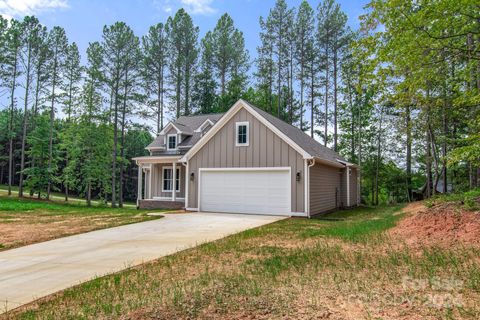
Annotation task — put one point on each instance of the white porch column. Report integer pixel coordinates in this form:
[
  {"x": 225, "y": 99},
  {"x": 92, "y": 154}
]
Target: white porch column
[
  {"x": 139, "y": 184},
  {"x": 174, "y": 179},
  {"x": 150, "y": 173}
]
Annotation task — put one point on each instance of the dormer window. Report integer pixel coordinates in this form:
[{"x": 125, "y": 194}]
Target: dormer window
[
  {"x": 242, "y": 134},
  {"x": 172, "y": 142}
]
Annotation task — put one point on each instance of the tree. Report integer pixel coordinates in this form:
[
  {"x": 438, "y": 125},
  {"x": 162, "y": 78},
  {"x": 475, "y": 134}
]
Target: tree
[
  {"x": 324, "y": 42},
  {"x": 229, "y": 56},
  {"x": 204, "y": 96},
  {"x": 304, "y": 29},
  {"x": 129, "y": 83},
  {"x": 154, "y": 70},
  {"x": 31, "y": 29},
  {"x": 340, "y": 39},
  {"x": 115, "y": 49},
  {"x": 183, "y": 51},
  {"x": 278, "y": 25},
  {"x": 71, "y": 88},
  {"x": 12, "y": 71},
  {"x": 265, "y": 67}
]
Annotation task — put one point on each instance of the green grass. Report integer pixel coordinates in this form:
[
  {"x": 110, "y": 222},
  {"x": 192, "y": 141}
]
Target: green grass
[
  {"x": 58, "y": 197},
  {"x": 358, "y": 225},
  {"x": 294, "y": 268},
  {"x": 469, "y": 200},
  {"x": 26, "y": 205}
]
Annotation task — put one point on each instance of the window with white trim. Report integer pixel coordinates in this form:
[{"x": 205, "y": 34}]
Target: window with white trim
[
  {"x": 171, "y": 142},
  {"x": 242, "y": 134},
  {"x": 168, "y": 179}
]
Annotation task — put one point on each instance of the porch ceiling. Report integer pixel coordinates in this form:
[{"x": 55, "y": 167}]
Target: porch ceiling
[{"x": 156, "y": 159}]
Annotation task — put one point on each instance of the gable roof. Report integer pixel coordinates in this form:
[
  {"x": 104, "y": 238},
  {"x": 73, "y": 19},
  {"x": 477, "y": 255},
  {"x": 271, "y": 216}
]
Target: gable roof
[
  {"x": 307, "y": 143},
  {"x": 308, "y": 147},
  {"x": 185, "y": 125},
  {"x": 195, "y": 121}
]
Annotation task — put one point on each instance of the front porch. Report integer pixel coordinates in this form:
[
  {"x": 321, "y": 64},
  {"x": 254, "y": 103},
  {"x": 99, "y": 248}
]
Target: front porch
[{"x": 161, "y": 183}]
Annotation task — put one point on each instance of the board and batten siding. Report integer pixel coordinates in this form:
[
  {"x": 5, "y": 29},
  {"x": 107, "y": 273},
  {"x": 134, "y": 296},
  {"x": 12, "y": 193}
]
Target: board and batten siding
[
  {"x": 265, "y": 149},
  {"x": 325, "y": 188}
]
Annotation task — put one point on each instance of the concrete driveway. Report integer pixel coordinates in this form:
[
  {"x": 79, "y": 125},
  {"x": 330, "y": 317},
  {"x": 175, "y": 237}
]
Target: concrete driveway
[{"x": 37, "y": 270}]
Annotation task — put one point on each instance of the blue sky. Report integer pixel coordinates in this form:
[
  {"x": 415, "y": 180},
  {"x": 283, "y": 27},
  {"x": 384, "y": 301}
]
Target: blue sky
[{"x": 83, "y": 20}]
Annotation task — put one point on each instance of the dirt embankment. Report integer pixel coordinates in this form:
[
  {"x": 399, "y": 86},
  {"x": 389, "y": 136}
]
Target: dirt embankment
[{"x": 444, "y": 225}]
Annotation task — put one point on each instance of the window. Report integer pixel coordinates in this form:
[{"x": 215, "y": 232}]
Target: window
[
  {"x": 171, "y": 142},
  {"x": 242, "y": 134},
  {"x": 168, "y": 179}
]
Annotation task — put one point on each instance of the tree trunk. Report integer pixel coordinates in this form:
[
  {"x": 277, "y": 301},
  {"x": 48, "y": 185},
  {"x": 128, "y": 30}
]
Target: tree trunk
[
  {"x": 408, "y": 126},
  {"x": 25, "y": 120},
  {"x": 52, "y": 121},
  {"x": 10, "y": 124},
  {"x": 35, "y": 110},
  {"x": 122, "y": 142},
  {"x": 115, "y": 141},
  {"x": 379, "y": 145},
  {"x": 89, "y": 194},
  {"x": 312, "y": 101},
  {"x": 325, "y": 139},
  {"x": 335, "y": 129}
]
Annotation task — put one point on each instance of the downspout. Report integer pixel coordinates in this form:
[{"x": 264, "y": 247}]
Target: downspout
[
  {"x": 348, "y": 185},
  {"x": 307, "y": 182},
  {"x": 187, "y": 174}
]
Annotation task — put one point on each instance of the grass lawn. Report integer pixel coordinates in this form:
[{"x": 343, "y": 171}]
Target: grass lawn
[
  {"x": 27, "y": 221},
  {"x": 57, "y": 196},
  {"x": 342, "y": 266}
]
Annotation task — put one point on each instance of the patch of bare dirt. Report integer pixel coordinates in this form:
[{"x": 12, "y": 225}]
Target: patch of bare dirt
[
  {"x": 442, "y": 225},
  {"x": 29, "y": 229}
]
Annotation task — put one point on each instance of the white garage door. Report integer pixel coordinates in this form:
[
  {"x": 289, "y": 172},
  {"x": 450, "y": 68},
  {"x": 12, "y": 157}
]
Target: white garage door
[{"x": 259, "y": 191}]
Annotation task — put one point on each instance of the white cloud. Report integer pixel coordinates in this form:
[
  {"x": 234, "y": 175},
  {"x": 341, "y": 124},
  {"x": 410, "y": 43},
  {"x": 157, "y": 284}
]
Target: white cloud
[
  {"x": 198, "y": 6},
  {"x": 21, "y": 8}
]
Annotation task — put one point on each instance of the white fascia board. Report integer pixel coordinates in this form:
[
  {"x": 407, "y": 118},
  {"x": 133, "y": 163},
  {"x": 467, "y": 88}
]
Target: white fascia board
[
  {"x": 171, "y": 124},
  {"x": 199, "y": 129},
  {"x": 226, "y": 117}
]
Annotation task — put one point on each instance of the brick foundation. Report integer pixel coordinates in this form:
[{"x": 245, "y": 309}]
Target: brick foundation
[{"x": 160, "y": 204}]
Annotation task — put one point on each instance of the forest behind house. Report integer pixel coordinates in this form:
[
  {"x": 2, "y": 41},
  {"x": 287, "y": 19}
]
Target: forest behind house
[{"x": 400, "y": 96}]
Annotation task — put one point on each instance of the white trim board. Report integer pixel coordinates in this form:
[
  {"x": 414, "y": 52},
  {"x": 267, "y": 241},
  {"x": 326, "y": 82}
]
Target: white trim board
[{"x": 174, "y": 182}]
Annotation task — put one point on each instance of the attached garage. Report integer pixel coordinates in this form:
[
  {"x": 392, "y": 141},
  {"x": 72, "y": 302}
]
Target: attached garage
[{"x": 245, "y": 190}]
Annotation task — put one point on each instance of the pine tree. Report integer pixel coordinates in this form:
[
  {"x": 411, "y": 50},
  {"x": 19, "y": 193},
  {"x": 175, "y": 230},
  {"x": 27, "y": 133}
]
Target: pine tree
[
  {"x": 154, "y": 70},
  {"x": 58, "y": 44},
  {"x": 31, "y": 28},
  {"x": 71, "y": 89},
  {"x": 130, "y": 81},
  {"x": 265, "y": 67},
  {"x": 116, "y": 50},
  {"x": 12, "y": 72},
  {"x": 278, "y": 25},
  {"x": 204, "y": 96},
  {"x": 183, "y": 52},
  {"x": 304, "y": 30},
  {"x": 229, "y": 56},
  {"x": 324, "y": 42}
]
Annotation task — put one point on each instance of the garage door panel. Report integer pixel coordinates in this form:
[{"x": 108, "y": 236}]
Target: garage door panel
[{"x": 246, "y": 191}]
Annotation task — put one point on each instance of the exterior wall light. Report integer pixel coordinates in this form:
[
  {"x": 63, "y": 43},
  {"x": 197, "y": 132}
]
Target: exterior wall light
[
  {"x": 298, "y": 175},
  {"x": 192, "y": 176}
]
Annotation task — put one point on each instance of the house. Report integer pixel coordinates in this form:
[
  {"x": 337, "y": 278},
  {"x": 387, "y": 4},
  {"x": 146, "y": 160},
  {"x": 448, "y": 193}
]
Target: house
[{"x": 243, "y": 161}]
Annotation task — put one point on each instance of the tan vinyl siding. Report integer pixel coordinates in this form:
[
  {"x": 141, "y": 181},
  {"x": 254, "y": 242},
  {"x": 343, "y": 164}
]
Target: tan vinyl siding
[
  {"x": 157, "y": 181},
  {"x": 265, "y": 149},
  {"x": 324, "y": 188}
]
